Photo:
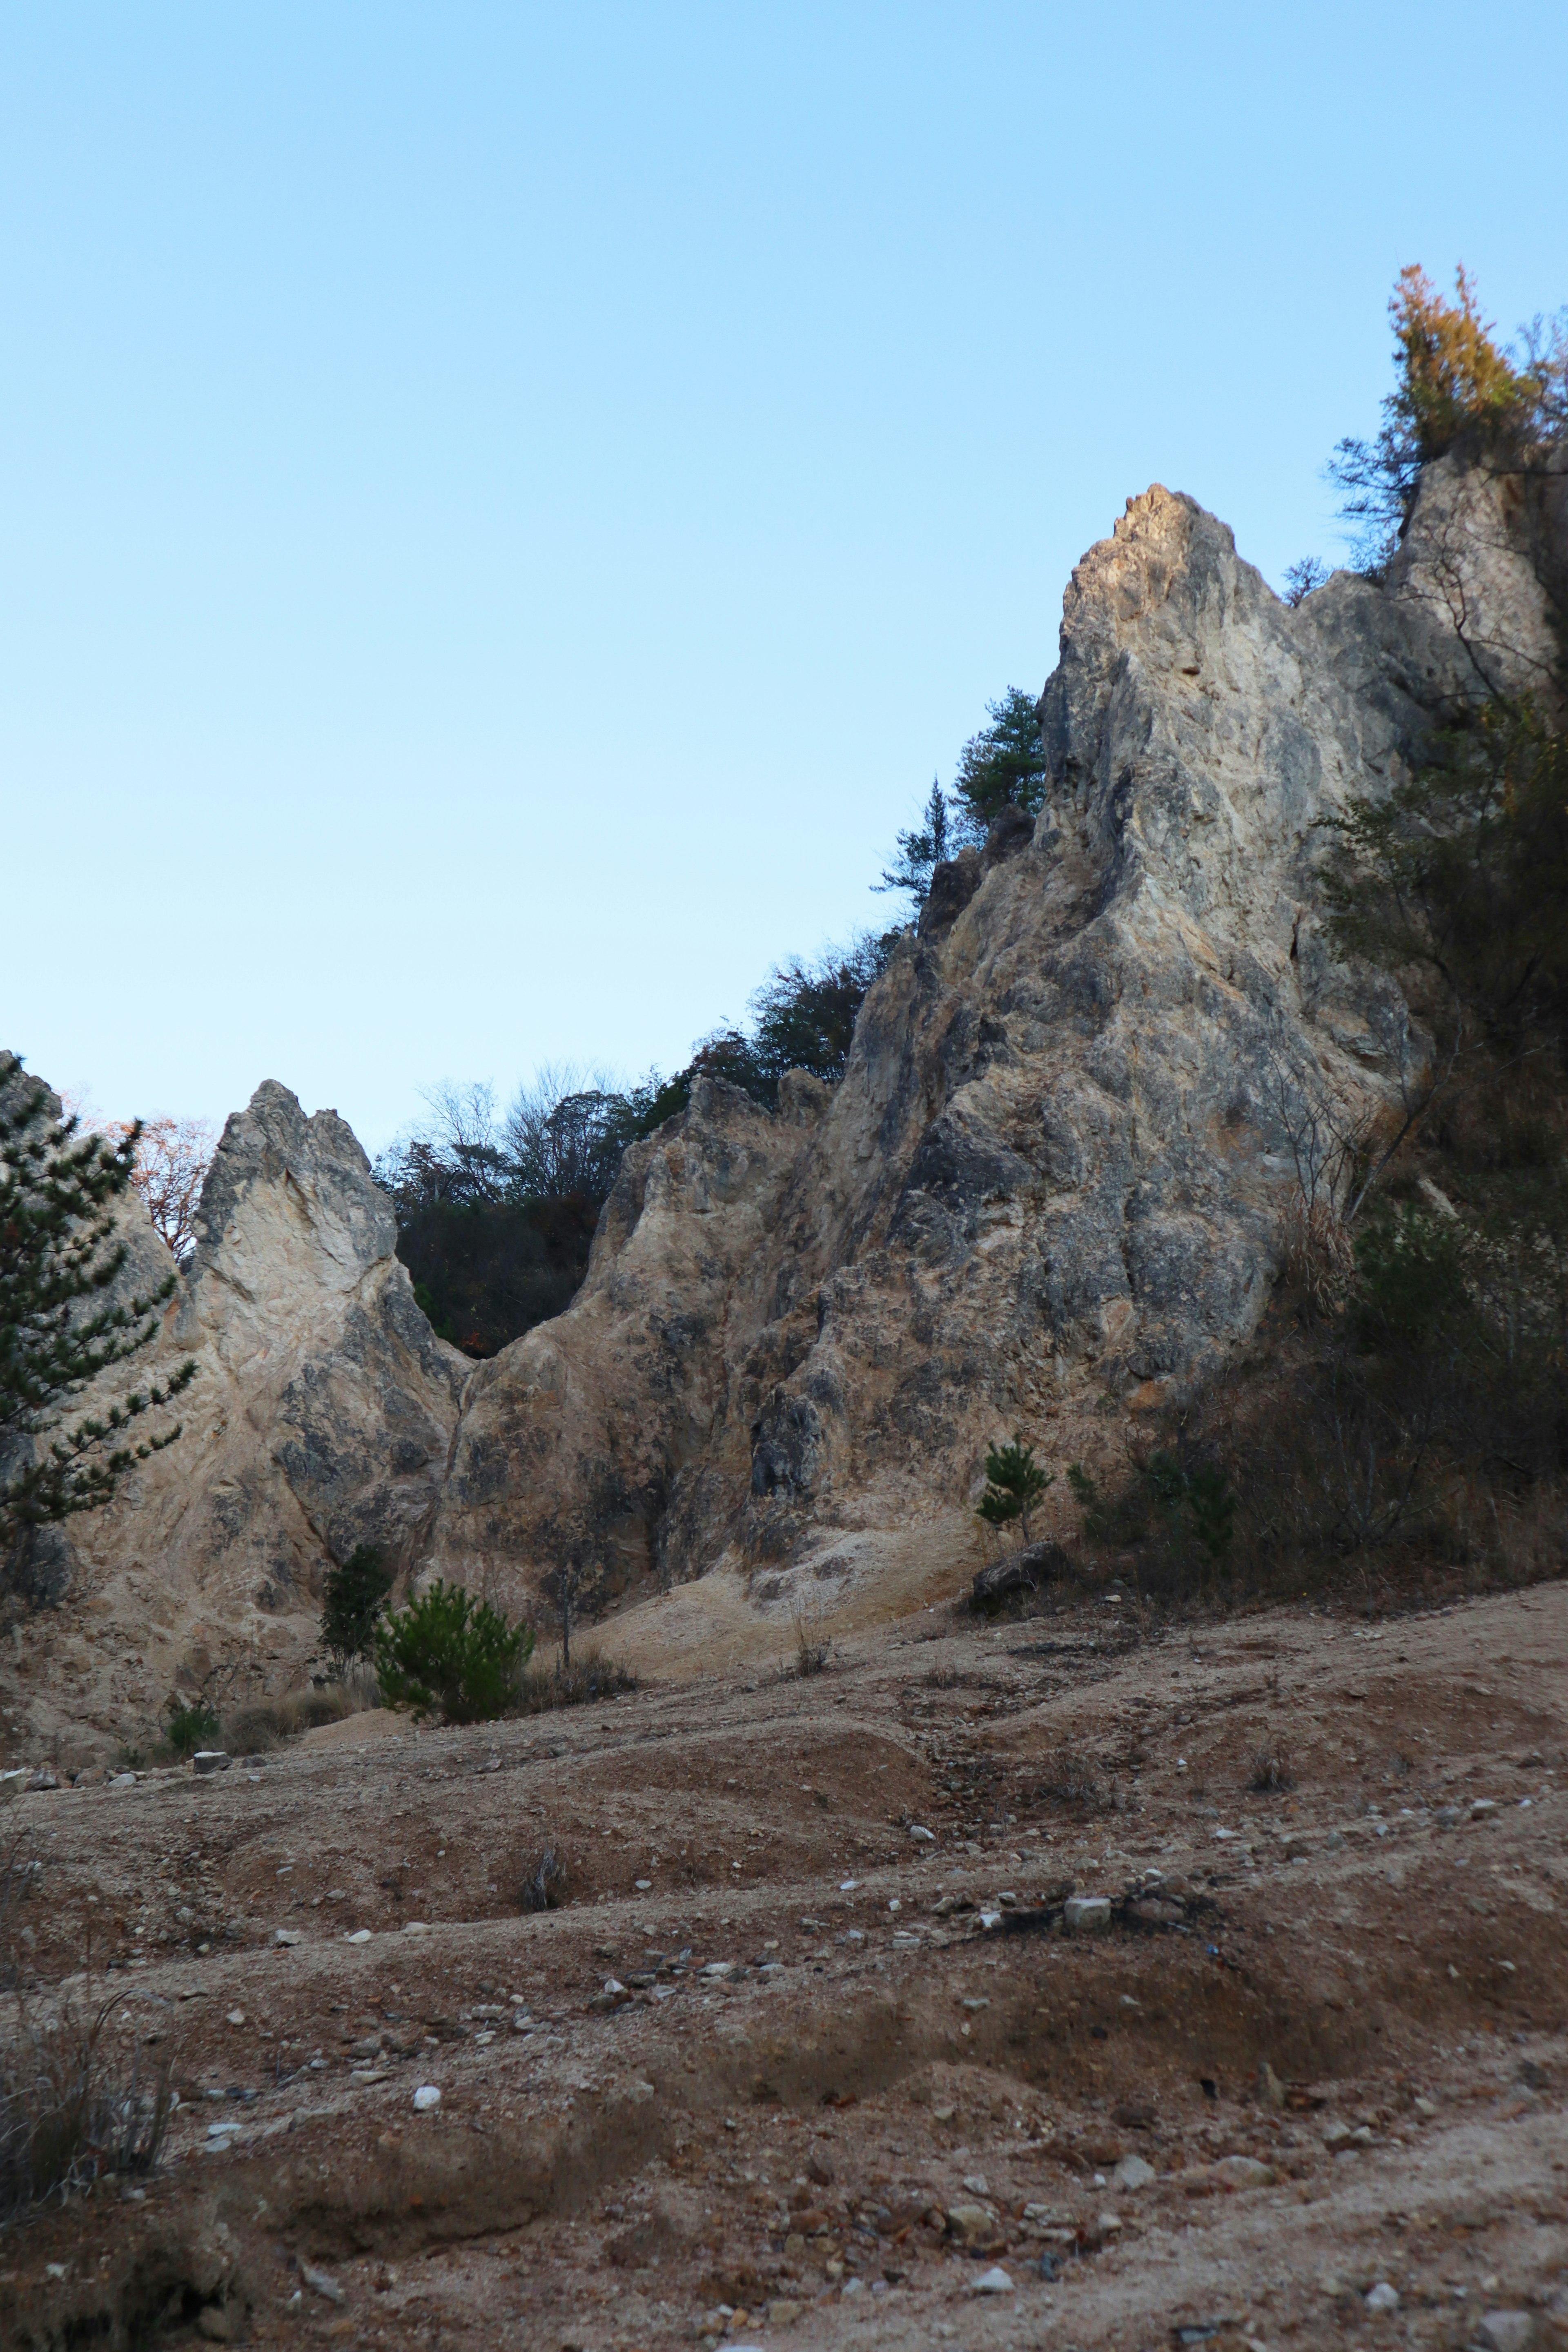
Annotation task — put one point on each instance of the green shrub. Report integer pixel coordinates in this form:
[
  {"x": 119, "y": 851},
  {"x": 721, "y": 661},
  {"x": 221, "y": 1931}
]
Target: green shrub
[
  {"x": 1211, "y": 1506},
  {"x": 355, "y": 1596},
  {"x": 191, "y": 1727},
  {"x": 449, "y": 1653},
  {"x": 1412, "y": 1288}
]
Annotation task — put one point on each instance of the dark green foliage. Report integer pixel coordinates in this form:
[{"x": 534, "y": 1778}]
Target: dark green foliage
[
  {"x": 59, "y": 1325},
  {"x": 1454, "y": 1335},
  {"x": 191, "y": 1726},
  {"x": 1211, "y": 1506},
  {"x": 803, "y": 1017},
  {"x": 485, "y": 1272},
  {"x": 449, "y": 1652},
  {"x": 1013, "y": 1484},
  {"x": 1411, "y": 1287},
  {"x": 1193, "y": 1498},
  {"x": 1103, "y": 1515},
  {"x": 1005, "y": 762},
  {"x": 495, "y": 1218},
  {"x": 1464, "y": 866},
  {"x": 356, "y": 1592},
  {"x": 922, "y": 849}
]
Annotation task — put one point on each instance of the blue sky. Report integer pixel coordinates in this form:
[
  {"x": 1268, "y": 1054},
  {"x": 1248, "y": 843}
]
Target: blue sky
[{"x": 503, "y": 510}]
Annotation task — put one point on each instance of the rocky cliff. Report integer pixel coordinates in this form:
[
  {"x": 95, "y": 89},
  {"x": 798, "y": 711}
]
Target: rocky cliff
[
  {"x": 1049, "y": 1194},
  {"x": 1050, "y": 1191}
]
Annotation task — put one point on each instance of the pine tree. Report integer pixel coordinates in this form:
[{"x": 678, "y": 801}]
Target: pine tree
[
  {"x": 60, "y": 1322},
  {"x": 921, "y": 849},
  {"x": 1013, "y": 1484},
  {"x": 1452, "y": 384},
  {"x": 1004, "y": 764}
]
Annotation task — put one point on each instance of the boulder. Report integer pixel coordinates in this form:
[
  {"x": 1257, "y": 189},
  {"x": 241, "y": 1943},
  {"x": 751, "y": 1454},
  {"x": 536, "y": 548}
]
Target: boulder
[{"x": 1018, "y": 1575}]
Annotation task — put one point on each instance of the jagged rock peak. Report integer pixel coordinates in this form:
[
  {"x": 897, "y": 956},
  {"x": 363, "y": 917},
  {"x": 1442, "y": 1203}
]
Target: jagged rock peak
[
  {"x": 1050, "y": 1190},
  {"x": 272, "y": 1141}
]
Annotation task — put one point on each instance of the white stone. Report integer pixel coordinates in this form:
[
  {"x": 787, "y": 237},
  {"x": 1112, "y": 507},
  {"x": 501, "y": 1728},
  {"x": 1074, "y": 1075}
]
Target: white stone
[
  {"x": 994, "y": 2280},
  {"x": 1087, "y": 1915},
  {"x": 426, "y": 2098}
]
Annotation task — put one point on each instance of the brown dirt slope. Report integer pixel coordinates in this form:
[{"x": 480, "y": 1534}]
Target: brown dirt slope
[{"x": 827, "y": 2097}]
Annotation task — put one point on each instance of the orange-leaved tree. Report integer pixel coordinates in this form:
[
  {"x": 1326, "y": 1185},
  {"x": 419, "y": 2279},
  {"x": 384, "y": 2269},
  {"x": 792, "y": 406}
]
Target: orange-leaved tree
[{"x": 1453, "y": 383}]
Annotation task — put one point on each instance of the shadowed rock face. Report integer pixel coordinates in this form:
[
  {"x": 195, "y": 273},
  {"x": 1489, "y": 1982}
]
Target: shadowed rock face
[{"x": 1049, "y": 1190}]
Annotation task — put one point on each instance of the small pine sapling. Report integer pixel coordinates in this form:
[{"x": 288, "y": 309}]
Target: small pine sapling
[
  {"x": 1013, "y": 1484},
  {"x": 1203, "y": 1496},
  {"x": 448, "y": 1652},
  {"x": 1211, "y": 1505}
]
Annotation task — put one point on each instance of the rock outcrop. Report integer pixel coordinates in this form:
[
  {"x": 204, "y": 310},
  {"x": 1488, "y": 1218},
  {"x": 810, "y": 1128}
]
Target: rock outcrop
[
  {"x": 321, "y": 1417},
  {"x": 1049, "y": 1192}
]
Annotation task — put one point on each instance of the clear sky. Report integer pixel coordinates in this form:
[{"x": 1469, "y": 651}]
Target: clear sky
[{"x": 505, "y": 508}]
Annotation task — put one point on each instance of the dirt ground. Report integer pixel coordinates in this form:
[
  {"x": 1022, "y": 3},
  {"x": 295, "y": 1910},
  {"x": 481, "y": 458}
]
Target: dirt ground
[{"x": 858, "y": 2076}]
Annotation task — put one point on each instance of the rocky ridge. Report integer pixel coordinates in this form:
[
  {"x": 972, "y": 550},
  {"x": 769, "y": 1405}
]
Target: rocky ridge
[{"x": 1050, "y": 1192}]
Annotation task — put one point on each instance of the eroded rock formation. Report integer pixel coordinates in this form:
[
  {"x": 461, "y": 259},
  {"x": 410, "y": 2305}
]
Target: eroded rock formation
[
  {"x": 321, "y": 1417},
  {"x": 1051, "y": 1188},
  {"x": 1049, "y": 1195}
]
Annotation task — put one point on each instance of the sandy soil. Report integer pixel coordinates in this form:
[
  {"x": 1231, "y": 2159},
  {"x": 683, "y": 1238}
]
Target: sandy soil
[{"x": 1356, "y": 1985}]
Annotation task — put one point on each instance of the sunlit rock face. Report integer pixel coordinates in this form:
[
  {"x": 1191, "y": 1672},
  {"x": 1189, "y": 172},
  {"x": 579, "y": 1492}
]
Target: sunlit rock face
[{"x": 1050, "y": 1190}]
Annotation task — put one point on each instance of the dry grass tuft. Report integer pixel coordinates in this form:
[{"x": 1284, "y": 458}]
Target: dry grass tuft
[
  {"x": 75, "y": 2104},
  {"x": 584, "y": 1683},
  {"x": 74, "y": 2107},
  {"x": 252, "y": 1730},
  {"x": 1070, "y": 1780},
  {"x": 1272, "y": 1771}
]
